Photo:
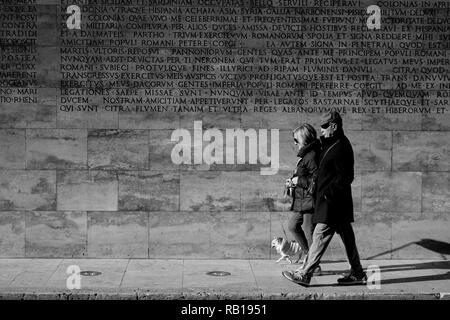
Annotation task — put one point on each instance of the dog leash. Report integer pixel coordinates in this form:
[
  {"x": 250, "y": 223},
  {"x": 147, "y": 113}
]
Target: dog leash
[{"x": 284, "y": 231}]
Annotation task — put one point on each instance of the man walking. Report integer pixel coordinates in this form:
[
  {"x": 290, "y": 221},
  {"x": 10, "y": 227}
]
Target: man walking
[{"x": 333, "y": 212}]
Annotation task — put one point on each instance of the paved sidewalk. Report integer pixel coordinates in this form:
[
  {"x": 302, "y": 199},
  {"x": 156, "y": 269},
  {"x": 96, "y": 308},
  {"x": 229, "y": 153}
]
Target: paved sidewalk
[{"x": 187, "y": 279}]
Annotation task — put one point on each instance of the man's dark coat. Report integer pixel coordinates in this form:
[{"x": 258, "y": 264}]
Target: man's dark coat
[{"x": 333, "y": 192}]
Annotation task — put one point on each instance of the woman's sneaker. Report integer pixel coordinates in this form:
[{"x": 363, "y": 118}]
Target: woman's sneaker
[
  {"x": 353, "y": 279},
  {"x": 297, "y": 277}
]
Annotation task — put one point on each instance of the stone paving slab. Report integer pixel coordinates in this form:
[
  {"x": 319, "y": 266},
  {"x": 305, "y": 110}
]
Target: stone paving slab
[
  {"x": 154, "y": 275},
  {"x": 26, "y": 272},
  {"x": 144, "y": 279},
  {"x": 112, "y": 271}
]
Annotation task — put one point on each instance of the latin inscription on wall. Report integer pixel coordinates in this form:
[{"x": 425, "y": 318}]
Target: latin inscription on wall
[{"x": 205, "y": 56}]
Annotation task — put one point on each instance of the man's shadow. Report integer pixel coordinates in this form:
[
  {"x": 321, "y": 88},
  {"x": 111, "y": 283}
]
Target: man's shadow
[{"x": 440, "y": 247}]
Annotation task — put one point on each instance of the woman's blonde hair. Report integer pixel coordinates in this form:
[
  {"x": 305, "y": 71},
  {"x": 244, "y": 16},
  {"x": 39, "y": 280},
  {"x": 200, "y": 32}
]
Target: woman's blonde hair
[{"x": 307, "y": 132}]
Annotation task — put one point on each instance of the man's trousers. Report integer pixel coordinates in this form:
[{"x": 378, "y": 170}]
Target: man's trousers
[{"x": 323, "y": 233}]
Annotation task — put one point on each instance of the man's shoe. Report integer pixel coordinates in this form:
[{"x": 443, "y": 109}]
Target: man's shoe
[
  {"x": 297, "y": 277},
  {"x": 353, "y": 279}
]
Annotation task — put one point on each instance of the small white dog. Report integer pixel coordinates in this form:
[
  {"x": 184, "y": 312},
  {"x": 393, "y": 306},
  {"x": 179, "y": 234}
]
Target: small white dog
[{"x": 287, "y": 249}]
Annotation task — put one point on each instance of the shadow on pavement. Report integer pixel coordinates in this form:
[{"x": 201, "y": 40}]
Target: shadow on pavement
[
  {"x": 435, "y": 245},
  {"x": 444, "y": 265},
  {"x": 439, "y": 247},
  {"x": 417, "y": 266},
  {"x": 444, "y": 276}
]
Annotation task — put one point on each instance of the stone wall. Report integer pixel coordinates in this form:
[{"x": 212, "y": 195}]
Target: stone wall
[{"x": 81, "y": 176}]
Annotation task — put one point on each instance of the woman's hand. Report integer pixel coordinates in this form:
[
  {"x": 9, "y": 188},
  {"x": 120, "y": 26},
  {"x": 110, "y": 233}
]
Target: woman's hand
[
  {"x": 288, "y": 182},
  {"x": 291, "y": 182}
]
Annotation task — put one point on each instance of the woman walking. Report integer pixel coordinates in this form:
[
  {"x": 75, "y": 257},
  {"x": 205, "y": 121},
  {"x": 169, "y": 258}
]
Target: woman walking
[{"x": 302, "y": 182}]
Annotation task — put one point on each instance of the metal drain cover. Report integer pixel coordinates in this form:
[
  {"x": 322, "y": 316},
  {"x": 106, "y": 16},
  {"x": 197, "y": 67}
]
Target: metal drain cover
[
  {"x": 90, "y": 273},
  {"x": 218, "y": 273}
]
